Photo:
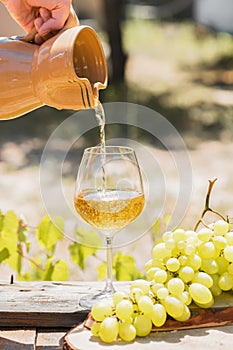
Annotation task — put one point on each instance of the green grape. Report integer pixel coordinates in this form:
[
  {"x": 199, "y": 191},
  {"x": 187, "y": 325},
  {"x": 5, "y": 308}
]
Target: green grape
[
  {"x": 145, "y": 304},
  {"x": 230, "y": 268},
  {"x": 154, "y": 286},
  {"x": 186, "y": 273},
  {"x": 158, "y": 315},
  {"x": 181, "y": 245},
  {"x": 149, "y": 265},
  {"x": 170, "y": 243},
  {"x": 206, "y": 305},
  {"x": 221, "y": 227},
  {"x": 135, "y": 294},
  {"x": 203, "y": 278},
  {"x": 205, "y": 234},
  {"x": 222, "y": 264},
  {"x": 162, "y": 293},
  {"x": 220, "y": 242},
  {"x": 143, "y": 325},
  {"x": 95, "y": 329},
  {"x": 194, "y": 261},
  {"x": 160, "y": 251},
  {"x": 179, "y": 235},
  {"x": 200, "y": 293},
  {"x": 225, "y": 281},
  {"x": 175, "y": 286},
  {"x": 183, "y": 259},
  {"x": 215, "y": 290},
  {"x": 206, "y": 250},
  {"x": 118, "y": 296},
  {"x": 108, "y": 331},
  {"x": 229, "y": 238},
  {"x": 150, "y": 273},
  {"x": 172, "y": 264},
  {"x": 173, "y": 306},
  {"x": 101, "y": 310},
  {"x": 228, "y": 253},
  {"x": 191, "y": 237},
  {"x": 189, "y": 249},
  {"x": 210, "y": 266},
  {"x": 167, "y": 235},
  {"x": 127, "y": 332},
  {"x": 142, "y": 284},
  {"x": 185, "y": 297},
  {"x": 158, "y": 263},
  {"x": 160, "y": 276},
  {"x": 124, "y": 309},
  {"x": 185, "y": 315}
]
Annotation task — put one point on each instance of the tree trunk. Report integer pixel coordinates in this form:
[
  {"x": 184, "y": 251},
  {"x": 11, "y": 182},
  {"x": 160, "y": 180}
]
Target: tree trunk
[{"x": 113, "y": 12}]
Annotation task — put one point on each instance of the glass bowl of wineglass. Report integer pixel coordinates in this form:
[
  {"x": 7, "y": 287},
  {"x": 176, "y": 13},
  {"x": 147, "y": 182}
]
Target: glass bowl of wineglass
[{"x": 108, "y": 196}]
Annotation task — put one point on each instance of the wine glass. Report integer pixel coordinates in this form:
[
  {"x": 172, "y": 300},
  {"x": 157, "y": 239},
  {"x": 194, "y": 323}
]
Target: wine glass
[{"x": 108, "y": 196}]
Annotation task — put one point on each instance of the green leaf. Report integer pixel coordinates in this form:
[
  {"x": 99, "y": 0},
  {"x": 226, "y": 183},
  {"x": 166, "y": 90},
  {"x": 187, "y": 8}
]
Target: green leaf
[
  {"x": 1, "y": 220},
  {"x": 9, "y": 233},
  {"x": 60, "y": 271},
  {"x": 48, "y": 232},
  {"x": 4, "y": 254},
  {"x": 125, "y": 268},
  {"x": 79, "y": 253},
  {"x": 88, "y": 238},
  {"x": 47, "y": 275},
  {"x": 15, "y": 261},
  {"x": 89, "y": 243}
]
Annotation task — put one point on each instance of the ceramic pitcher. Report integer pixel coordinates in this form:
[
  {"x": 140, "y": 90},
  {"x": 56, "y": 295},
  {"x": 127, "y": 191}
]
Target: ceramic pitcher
[{"x": 65, "y": 72}]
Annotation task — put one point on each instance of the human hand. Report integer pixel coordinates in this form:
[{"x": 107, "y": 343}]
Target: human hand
[{"x": 45, "y": 15}]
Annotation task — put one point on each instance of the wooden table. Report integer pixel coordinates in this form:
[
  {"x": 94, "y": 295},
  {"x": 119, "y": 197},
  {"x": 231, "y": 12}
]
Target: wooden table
[{"x": 36, "y": 316}]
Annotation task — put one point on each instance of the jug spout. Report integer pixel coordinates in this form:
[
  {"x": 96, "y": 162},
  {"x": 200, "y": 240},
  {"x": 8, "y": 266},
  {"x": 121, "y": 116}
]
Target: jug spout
[{"x": 69, "y": 69}]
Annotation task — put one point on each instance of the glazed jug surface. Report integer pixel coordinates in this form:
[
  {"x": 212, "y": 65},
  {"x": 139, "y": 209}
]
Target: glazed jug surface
[{"x": 65, "y": 72}]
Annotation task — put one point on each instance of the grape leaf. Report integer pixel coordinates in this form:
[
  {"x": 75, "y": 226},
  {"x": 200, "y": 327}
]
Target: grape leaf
[
  {"x": 9, "y": 233},
  {"x": 48, "y": 232},
  {"x": 124, "y": 268},
  {"x": 88, "y": 238},
  {"x": 79, "y": 253},
  {"x": 4, "y": 254},
  {"x": 60, "y": 271},
  {"x": 47, "y": 275},
  {"x": 88, "y": 243}
]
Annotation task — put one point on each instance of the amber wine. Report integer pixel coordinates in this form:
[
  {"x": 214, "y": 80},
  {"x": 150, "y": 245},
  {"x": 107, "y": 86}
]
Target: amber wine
[{"x": 109, "y": 209}]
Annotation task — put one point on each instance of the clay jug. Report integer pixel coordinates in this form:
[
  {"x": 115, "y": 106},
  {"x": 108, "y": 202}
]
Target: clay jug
[{"x": 65, "y": 72}]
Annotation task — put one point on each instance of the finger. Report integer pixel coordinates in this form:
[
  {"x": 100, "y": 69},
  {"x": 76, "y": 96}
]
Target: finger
[
  {"x": 55, "y": 22},
  {"x": 38, "y": 39},
  {"x": 45, "y": 14},
  {"x": 38, "y": 23}
]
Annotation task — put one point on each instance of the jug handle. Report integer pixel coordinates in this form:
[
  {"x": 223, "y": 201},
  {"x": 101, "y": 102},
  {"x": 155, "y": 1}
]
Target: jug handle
[{"x": 71, "y": 22}]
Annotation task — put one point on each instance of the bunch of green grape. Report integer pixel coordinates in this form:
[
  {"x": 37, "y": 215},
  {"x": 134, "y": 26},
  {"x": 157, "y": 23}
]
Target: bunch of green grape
[{"x": 186, "y": 266}]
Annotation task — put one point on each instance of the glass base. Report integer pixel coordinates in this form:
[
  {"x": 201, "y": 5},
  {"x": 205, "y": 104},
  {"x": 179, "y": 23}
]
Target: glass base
[{"x": 87, "y": 301}]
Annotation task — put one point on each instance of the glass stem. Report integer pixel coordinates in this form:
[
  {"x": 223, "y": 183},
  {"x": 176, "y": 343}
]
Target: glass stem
[{"x": 109, "y": 286}]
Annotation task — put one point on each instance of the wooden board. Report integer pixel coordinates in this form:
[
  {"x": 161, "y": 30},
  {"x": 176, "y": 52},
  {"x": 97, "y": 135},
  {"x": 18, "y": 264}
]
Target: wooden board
[
  {"x": 45, "y": 304},
  {"x": 17, "y": 339}
]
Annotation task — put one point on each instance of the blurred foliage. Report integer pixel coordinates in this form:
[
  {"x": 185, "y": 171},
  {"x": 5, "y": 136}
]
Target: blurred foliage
[{"x": 36, "y": 260}]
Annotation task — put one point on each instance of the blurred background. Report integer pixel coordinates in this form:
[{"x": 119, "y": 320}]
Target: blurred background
[{"x": 174, "y": 56}]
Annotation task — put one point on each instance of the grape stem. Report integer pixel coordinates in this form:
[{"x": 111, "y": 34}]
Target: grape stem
[{"x": 207, "y": 205}]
